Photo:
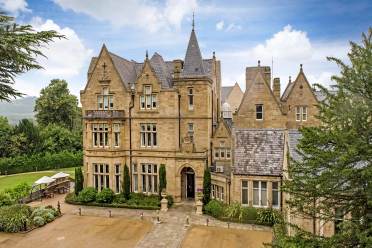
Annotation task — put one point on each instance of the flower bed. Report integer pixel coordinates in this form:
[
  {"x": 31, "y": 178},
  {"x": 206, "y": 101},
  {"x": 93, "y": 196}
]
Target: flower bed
[
  {"x": 106, "y": 198},
  {"x": 239, "y": 214}
]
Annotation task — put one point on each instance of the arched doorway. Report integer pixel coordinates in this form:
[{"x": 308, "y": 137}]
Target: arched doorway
[{"x": 187, "y": 183}]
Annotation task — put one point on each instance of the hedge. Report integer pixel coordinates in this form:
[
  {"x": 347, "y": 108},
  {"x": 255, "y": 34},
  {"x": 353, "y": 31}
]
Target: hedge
[
  {"x": 71, "y": 199},
  {"x": 39, "y": 162}
]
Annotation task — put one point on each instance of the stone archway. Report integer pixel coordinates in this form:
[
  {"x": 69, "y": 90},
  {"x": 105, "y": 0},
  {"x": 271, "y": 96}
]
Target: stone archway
[{"x": 187, "y": 183}]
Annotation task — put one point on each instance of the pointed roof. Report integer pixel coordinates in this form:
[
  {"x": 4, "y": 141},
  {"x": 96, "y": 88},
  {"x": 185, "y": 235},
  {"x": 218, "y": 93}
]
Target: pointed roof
[{"x": 193, "y": 65}]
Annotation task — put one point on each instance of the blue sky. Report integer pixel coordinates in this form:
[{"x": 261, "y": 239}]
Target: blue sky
[{"x": 240, "y": 32}]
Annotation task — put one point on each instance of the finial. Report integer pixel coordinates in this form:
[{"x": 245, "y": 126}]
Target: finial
[
  {"x": 147, "y": 54},
  {"x": 193, "y": 21},
  {"x": 259, "y": 63},
  {"x": 214, "y": 54},
  {"x": 290, "y": 79},
  {"x": 301, "y": 67}
]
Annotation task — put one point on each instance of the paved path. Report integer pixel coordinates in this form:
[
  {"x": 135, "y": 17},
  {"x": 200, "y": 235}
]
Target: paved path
[{"x": 169, "y": 233}]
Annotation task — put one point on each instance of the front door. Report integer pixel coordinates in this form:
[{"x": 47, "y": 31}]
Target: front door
[{"x": 190, "y": 184}]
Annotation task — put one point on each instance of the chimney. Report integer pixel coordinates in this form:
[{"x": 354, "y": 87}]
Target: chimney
[
  {"x": 251, "y": 73},
  {"x": 276, "y": 88},
  {"x": 177, "y": 67}
]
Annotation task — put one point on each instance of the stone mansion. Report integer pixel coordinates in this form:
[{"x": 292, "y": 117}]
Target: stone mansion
[{"x": 177, "y": 113}]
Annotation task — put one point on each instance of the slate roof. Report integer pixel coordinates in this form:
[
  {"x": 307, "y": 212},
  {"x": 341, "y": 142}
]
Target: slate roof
[
  {"x": 321, "y": 96},
  {"x": 258, "y": 152},
  {"x": 225, "y": 91},
  {"x": 293, "y": 139},
  {"x": 287, "y": 91},
  {"x": 193, "y": 65}
]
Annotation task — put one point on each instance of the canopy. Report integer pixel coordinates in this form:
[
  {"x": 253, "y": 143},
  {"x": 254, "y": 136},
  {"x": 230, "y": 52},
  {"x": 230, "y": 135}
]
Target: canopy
[
  {"x": 44, "y": 180},
  {"x": 60, "y": 175}
]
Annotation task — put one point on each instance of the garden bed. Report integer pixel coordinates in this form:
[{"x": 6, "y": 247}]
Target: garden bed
[{"x": 106, "y": 198}]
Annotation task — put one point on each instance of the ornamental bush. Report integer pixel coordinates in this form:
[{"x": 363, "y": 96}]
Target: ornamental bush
[
  {"x": 19, "y": 191},
  {"x": 15, "y": 218},
  {"x": 105, "y": 196},
  {"x": 87, "y": 195},
  {"x": 5, "y": 199},
  {"x": 269, "y": 216},
  {"x": 47, "y": 213},
  {"x": 38, "y": 221},
  {"x": 162, "y": 178},
  {"x": 215, "y": 208}
]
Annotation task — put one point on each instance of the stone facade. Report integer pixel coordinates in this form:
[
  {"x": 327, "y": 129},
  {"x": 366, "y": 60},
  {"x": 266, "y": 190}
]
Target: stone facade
[{"x": 144, "y": 114}]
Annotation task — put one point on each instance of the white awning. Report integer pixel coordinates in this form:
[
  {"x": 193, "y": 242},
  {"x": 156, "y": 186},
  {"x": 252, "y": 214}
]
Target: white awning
[
  {"x": 60, "y": 175},
  {"x": 44, "y": 180}
]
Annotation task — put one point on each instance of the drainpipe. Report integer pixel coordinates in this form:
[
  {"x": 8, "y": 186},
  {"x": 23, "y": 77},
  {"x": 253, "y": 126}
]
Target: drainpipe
[
  {"x": 179, "y": 122},
  {"x": 130, "y": 134}
]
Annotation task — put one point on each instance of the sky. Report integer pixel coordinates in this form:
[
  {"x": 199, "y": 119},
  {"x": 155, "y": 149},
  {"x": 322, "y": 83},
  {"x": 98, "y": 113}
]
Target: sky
[{"x": 282, "y": 33}]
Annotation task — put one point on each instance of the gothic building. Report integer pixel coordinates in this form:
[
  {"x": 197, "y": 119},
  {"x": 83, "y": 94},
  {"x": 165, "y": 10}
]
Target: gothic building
[{"x": 176, "y": 113}]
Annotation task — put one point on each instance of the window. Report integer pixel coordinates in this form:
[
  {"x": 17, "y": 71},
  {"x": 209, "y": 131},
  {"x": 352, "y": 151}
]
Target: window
[
  {"x": 275, "y": 194},
  {"x": 301, "y": 113},
  {"x": 222, "y": 152},
  {"x": 105, "y": 100},
  {"x": 101, "y": 176},
  {"x": 190, "y": 95},
  {"x": 149, "y": 174},
  {"x": 116, "y": 129},
  {"x": 135, "y": 178},
  {"x": 148, "y": 135},
  {"x": 245, "y": 192},
  {"x": 148, "y": 100},
  {"x": 100, "y": 135},
  {"x": 259, "y": 193},
  {"x": 117, "y": 178},
  {"x": 217, "y": 192},
  {"x": 259, "y": 111},
  {"x": 190, "y": 131}
]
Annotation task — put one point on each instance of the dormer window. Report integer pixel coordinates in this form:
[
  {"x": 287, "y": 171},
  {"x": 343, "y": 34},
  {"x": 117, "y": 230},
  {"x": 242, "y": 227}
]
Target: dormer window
[
  {"x": 259, "y": 111},
  {"x": 148, "y": 100},
  {"x": 105, "y": 100}
]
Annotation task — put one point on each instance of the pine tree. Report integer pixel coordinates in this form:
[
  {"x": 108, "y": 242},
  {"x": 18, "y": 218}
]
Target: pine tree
[
  {"x": 162, "y": 178},
  {"x": 335, "y": 171},
  {"x": 207, "y": 186},
  {"x": 126, "y": 183}
]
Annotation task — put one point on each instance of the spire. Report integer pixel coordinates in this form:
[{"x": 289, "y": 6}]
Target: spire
[
  {"x": 193, "y": 21},
  {"x": 147, "y": 54},
  {"x": 193, "y": 64}
]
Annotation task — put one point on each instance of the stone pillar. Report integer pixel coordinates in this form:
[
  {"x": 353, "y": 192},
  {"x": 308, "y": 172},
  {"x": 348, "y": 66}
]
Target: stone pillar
[
  {"x": 199, "y": 207},
  {"x": 164, "y": 203}
]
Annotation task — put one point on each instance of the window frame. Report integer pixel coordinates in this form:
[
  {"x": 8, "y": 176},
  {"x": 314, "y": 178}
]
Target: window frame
[
  {"x": 148, "y": 99},
  {"x": 277, "y": 191},
  {"x": 259, "y": 112},
  {"x": 148, "y": 135},
  {"x": 241, "y": 192},
  {"x": 190, "y": 98},
  {"x": 260, "y": 194}
]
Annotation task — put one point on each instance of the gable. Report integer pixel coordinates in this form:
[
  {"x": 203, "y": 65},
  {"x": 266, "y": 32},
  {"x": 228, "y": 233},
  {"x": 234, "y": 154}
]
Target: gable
[
  {"x": 147, "y": 76},
  {"x": 301, "y": 87},
  {"x": 222, "y": 130}
]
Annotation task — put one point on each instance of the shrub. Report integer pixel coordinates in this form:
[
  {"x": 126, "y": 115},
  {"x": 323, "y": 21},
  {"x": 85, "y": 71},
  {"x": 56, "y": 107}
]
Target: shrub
[
  {"x": 170, "y": 200},
  {"x": 71, "y": 197},
  {"x": 207, "y": 181},
  {"x": 105, "y": 196},
  {"x": 48, "y": 213},
  {"x": 119, "y": 199},
  {"x": 5, "y": 199},
  {"x": 162, "y": 179},
  {"x": 234, "y": 211},
  {"x": 126, "y": 183},
  {"x": 19, "y": 191},
  {"x": 38, "y": 221},
  {"x": 79, "y": 180},
  {"x": 215, "y": 208},
  {"x": 87, "y": 195},
  {"x": 15, "y": 218},
  {"x": 143, "y": 200},
  {"x": 269, "y": 216},
  {"x": 40, "y": 161},
  {"x": 249, "y": 214}
]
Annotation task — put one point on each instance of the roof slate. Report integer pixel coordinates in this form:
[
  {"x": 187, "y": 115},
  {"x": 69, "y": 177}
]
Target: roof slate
[
  {"x": 194, "y": 65},
  {"x": 225, "y": 91},
  {"x": 293, "y": 139},
  {"x": 258, "y": 151}
]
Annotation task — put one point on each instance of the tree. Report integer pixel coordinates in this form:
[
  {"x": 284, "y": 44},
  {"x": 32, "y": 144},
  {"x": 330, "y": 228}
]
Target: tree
[
  {"x": 25, "y": 138},
  {"x": 335, "y": 173},
  {"x": 79, "y": 180},
  {"x": 207, "y": 186},
  {"x": 126, "y": 183},
  {"x": 5, "y": 134},
  {"x": 57, "y": 106},
  {"x": 20, "y": 45},
  {"x": 162, "y": 178},
  {"x": 57, "y": 138}
]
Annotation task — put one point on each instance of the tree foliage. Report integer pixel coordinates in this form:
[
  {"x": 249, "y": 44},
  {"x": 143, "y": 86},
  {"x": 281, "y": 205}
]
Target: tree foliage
[
  {"x": 162, "y": 178},
  {"x": 126, "y": 183},
  {"x": 335, "y": 171},
  {"x": 57, "y": 106},
  {"x": 57, "y": 138},
  {"x": 207, "y": 181},
  {"x": 25, "y": 138},
  {"x": 20, "y": 46},
  {"x": 79, "y": 180}
]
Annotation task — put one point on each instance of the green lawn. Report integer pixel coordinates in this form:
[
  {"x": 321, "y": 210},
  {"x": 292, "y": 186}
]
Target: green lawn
[{"x": 12, "y": 180}]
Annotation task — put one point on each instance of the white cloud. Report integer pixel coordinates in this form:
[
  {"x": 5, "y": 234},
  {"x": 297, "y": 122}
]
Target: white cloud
[
  {"x": 150, "y": 16},
  {"x": 14, "y": 6},
  {"x": 65, "y": 57},
  {"x": 220, "y": 25},
  {"x": 233, "y": 27},
  {"x": 287, "y": 48}
]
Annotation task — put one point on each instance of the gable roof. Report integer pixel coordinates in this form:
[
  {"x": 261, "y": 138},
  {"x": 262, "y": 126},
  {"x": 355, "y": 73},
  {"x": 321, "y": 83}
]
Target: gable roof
[
  {"x": 294, "y": 137},
  {"x": 225, "y": 91},
  {"x": 193, "y": 65},
  {"x": 288, "y": 90},
  {"x": 258, "y": 152}
]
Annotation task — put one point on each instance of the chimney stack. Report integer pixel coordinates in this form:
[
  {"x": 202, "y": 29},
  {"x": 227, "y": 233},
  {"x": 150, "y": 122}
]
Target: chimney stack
[
  {"x": 276, "y": 88},
  {"x": 177, "y": 67}
]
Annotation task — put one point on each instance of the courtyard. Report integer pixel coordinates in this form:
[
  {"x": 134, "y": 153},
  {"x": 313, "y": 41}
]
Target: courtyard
[{"x": 126, "y": 228}]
